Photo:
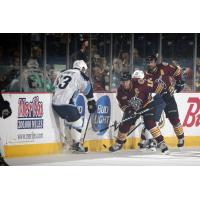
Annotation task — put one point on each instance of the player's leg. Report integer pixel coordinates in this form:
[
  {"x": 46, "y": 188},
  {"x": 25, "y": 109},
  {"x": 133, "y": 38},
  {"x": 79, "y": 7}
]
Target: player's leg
[
  {"x": 150, "y": 124},
  {"x": 73, "y": 119},
  {"x": 143, "y": 140},
  {"x": 146, "y": 141},
  {"x": 146, "y": 137},
  {"x": 124, "y": 128},
  {"x": 159, "y": 107},
  {"x": 171, "y": 111}
]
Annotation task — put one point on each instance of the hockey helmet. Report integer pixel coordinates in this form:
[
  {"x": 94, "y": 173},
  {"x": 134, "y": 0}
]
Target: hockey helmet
[
  {"x": 152, "y": 57},
  {"x": 125, "y": 76},
  {"x": 80, "y": 64},
  {"x": 138, "y": 74}
]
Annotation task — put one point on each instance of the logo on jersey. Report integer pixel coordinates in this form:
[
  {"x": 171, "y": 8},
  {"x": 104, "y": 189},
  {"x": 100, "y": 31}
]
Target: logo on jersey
[
  {"x": 160, "y": 81},
  {"x": 193, "y": 114},
  {"x": 30, "y": 113},
  {"x": 80, "y": 103},
  {"x": 136, "y": 103},
  {"x": 101, "y": 118}
]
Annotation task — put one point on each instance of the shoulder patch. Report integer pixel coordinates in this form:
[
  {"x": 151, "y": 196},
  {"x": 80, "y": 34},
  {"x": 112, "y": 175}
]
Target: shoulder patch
[{"x": 141, "y": 81}]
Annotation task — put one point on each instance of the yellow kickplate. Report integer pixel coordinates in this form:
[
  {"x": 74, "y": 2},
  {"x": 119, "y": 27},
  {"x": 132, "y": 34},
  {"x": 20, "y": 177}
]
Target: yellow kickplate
[
  {"x": 31, "y": 149},
  {"x": 93, "y": 145}
]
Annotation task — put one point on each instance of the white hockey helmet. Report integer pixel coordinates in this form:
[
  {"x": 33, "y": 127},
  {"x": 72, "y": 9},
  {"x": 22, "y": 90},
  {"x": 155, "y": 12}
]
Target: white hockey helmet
[
  {"x": 81, "y": 65},
  {"x": 138, "y": 74}
]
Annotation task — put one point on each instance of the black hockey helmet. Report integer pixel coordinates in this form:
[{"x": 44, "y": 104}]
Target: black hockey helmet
[
  {"x": 125, "y": 76},
  {"x": 152, "y": 57}
]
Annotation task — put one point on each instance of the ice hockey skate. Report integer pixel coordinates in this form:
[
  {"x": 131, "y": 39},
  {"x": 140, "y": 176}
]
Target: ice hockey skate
[
  {"x": 151, "y": 144},
  {"x": 147, "y": 144},
  {"x": 164, "y": 149},
  {"x": 142, "y": 145},
  {"x": 117, "y": 146},
  {"x": 77, "y": 148},
  {"x": 180, "y": 142}
]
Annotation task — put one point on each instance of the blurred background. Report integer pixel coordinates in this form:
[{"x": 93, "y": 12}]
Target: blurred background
[{"x": 29, "y": 62}]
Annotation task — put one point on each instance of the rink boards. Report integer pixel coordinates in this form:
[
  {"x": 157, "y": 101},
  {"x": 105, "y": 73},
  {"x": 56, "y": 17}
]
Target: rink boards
[{"x": 34, "y": 129}]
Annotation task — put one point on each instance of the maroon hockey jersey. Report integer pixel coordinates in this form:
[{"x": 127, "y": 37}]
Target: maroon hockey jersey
[
  {"x": 138, "y": 96},
  {"x": 165, "y": 73}
]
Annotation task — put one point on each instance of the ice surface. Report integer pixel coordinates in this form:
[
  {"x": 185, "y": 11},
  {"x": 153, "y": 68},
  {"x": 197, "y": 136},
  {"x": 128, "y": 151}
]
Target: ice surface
[{"x": 186, "y": 157}]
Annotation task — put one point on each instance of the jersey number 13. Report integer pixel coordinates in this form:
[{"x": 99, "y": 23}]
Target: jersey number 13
[{"x": 64, "y": 82}]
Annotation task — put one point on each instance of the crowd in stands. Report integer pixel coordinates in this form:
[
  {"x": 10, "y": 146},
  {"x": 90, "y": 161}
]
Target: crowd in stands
[{"x": 32, "y": 76}]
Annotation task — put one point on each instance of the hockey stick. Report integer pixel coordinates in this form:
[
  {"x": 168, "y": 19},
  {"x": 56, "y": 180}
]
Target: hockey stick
[
  {"x": 130, "y": 132},
  {"x": 83, "y": 139},
  {"x": 128, "y": 118}
]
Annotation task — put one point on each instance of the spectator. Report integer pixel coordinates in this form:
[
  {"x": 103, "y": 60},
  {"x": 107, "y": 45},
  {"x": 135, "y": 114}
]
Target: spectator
[
  {"x": 197, "y": 82},
  {"x": 124, "y": 57},
  {"x": 82, "y": 53},
  {"x": 188, "y": 77},
  {"x": 98, "y": 79},
  {"x": 117, "y": 68},
  {"x": 14, "y": 75},
  {"x": 35, "y": 60}
]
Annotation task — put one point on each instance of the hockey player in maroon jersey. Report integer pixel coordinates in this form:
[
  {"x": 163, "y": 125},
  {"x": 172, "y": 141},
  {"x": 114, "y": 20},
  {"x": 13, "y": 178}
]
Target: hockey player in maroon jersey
[
  {"x": 166, "y": 73},
  {"x": 133, "y": 96}
]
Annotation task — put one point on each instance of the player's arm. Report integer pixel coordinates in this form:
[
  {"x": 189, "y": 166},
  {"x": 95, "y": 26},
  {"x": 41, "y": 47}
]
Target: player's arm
[
  {"x": 5, "y": 109},
  {"x": 122, "y": 102},
  {"x": 1, "y": 98},
  {"x": 88, "y": 92},
  {"x": 176, "y": 72}
]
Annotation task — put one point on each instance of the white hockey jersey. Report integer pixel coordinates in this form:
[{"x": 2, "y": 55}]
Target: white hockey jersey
[{"x": 68, "y": 85}]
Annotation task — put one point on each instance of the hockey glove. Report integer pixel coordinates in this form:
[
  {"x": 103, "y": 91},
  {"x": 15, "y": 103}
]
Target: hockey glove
[
  {"x": 92, "y": 106},
  {"x": 179, "y": 86},
  {"x": 5, "y": 110}
]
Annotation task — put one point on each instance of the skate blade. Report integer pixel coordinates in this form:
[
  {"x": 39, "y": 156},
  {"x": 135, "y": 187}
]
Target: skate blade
[
  {"x": 76, "y": 152},
  {"x": 166, "y": 153},
  {"x": 79, "y": 152}
]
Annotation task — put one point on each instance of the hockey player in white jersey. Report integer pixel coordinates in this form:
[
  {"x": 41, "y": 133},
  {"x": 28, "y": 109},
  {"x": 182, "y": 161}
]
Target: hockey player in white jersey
[{"x": 68, "y": 84}]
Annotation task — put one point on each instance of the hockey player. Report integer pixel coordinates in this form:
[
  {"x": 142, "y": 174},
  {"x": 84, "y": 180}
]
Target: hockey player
[
  {"x": 166, "y": 73},
  {"x": 133, "y": 96},
  {"x": 5, "y": 112},
  {"x": 67, "y": 87},
  {"x": 159, "y": 105}
]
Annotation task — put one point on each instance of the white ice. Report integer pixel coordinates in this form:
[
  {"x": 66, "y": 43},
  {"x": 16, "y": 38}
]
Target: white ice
[{"x": 185, "y": 157}]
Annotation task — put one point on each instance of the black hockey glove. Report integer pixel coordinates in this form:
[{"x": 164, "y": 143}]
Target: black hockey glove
[
  {"x": 5, "y": 110},
  {"x": 92, "y": 107},
  {"x": 179, "y": 86}
]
